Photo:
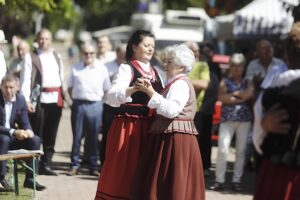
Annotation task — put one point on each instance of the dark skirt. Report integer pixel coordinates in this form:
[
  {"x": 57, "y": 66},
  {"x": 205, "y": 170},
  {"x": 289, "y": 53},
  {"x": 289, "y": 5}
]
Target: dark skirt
[
  {"x": 170, "y": 169},
  {"x": 277, "y": 182},
  {"x": 126, "y": 138}
]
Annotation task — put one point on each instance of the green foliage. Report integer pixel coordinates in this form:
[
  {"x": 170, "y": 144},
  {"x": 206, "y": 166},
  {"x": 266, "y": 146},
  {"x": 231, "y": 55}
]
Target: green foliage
[
  {"x": 18, "y": 16},
  {"x": 105, "y": 13}
]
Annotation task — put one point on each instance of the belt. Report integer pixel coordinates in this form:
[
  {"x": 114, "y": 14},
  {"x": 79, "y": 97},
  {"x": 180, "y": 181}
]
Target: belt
[
  {"x": 134, "y": 109},
  {"x": 60, "y": 102}
]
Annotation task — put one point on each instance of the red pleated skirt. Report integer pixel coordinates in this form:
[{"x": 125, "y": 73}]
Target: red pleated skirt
[
  {"x": 170, "y": 169},
  {"x": 276, "y": 182},
  {"x": 126, "y": 138}
]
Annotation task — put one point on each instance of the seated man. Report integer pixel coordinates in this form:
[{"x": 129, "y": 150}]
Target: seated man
[{"x": 15, "y": 129}]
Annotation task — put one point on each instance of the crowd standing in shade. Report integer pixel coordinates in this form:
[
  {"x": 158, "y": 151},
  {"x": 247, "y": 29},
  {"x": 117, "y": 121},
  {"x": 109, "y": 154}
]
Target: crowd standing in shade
[{"x": 128, "y": 132}]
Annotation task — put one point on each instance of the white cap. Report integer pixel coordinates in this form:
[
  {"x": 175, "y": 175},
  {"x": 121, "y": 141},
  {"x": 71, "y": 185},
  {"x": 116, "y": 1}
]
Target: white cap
[{"x": 2, "y": 37}]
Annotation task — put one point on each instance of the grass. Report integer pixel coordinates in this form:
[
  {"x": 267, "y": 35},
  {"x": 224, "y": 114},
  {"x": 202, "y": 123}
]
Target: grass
[{"x": 24, "y": 193}]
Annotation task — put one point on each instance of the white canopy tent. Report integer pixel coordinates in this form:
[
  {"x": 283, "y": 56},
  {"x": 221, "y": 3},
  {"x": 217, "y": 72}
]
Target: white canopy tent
[{"x": 257, "y": 19}]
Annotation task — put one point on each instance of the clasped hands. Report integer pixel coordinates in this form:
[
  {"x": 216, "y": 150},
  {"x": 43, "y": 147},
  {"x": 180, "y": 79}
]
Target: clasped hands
[
  {"x": 143, "y": 84},
  {"x": 21, "y": 134}
]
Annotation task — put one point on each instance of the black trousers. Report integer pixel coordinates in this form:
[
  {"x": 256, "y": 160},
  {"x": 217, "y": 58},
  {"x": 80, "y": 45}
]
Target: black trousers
[
  {"x": 45, "y": 124},
  {"x": 11, "y": 143},
  {"x": 203, "y": 123}
]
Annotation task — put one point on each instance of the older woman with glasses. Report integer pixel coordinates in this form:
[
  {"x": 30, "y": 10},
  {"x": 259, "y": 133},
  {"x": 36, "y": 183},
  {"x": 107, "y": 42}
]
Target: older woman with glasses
[
  {"x": 88, "y": 83},
  {"x": 171, "y": 167}
]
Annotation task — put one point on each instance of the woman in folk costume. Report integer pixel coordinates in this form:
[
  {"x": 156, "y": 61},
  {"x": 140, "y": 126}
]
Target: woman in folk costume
[
  {"x": 171, "y": 166},
  {"x": 128, "y": 132},
  {"x": 277, "y": 129}
]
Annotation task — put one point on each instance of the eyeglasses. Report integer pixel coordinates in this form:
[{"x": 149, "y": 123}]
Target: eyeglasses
[
  {"x": 168, "y": 61},
  {"x": 88, "y": 53}
]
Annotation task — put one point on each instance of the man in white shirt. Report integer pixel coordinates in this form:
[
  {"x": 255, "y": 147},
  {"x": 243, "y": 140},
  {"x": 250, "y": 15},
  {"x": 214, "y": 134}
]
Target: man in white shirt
[
  {"x": 3, "y": 67},
  {"x": 88, "y": 83},
  {"x": 259, "y": 67},
  {"x": 45, "y": 72}
]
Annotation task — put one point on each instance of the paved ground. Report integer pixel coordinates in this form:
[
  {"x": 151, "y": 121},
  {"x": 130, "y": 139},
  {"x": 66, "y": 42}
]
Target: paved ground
[{"x": 83, "y": 187}]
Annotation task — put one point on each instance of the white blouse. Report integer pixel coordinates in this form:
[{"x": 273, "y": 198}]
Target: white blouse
[
  {"x": 175, "y": 100},
  {"x": 116, "y": 95}
]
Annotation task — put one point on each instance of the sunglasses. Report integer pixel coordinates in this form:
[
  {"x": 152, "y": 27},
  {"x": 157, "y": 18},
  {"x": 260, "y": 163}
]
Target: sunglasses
[{"x": 88, "y": 53}]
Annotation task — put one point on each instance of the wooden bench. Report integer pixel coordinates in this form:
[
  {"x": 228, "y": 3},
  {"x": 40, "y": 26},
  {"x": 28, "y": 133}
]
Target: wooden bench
[{"x": 17, "y": 156}]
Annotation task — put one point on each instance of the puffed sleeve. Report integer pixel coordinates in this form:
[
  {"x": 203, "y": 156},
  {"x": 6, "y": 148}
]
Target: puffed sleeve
[{"x": 116, "y": 95}]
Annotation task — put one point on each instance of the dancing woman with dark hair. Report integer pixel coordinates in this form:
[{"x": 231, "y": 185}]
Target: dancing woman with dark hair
[{"x": 128, "y": 132}]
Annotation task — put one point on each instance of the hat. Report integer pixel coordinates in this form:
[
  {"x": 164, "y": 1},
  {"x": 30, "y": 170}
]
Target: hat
[{"x": 2, "y": 37}]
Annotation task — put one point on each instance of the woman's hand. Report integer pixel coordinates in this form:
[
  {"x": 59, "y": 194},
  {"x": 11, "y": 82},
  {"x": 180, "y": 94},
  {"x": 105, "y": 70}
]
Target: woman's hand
[
  {"x": 144, "y": 85},
  {"x": 274, "y": 120}
]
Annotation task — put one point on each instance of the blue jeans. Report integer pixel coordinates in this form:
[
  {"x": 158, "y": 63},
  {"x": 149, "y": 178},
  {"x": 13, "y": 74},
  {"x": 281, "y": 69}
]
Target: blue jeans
[{"x": 85, "y": 119}]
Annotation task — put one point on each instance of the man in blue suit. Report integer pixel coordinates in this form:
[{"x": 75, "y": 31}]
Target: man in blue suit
[{"x": 15, "y": 128}]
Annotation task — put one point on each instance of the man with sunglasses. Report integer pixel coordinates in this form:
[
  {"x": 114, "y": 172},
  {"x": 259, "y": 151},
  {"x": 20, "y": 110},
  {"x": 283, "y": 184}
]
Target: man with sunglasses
[{"x": 88, "y": 83}]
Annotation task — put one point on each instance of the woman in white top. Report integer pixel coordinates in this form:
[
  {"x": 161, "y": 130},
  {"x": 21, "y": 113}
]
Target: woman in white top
[{"x": 128, "y": 131}]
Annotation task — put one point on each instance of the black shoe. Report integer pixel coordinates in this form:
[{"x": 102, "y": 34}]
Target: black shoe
[
  {"x": 5, "y": 186},
  {"x": 237, "y": 187},
  {"x": 47, "y": 171},
  {"x": 94, "y": 173},
  {"x": 28, "y": 183},
  {"x": 217, "y": 186}
]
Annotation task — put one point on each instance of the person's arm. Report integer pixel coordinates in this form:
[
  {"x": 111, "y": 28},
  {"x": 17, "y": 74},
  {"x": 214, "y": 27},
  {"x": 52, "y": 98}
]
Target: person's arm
[
  {"x": 25, "y": 77},
  {"x": 3, "y": 67},
  {"x": 23, "y": 114},
  {"x": 6, "y": 131},
  {"x": 120, "y": 91},
  {"x": 173, "y": 104},
  {"x": 200, "y": 76},
  {"x": 250, "y": 72},
  {"x": 247, "y": 94},
  {"x": 227, "y": 98}
]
